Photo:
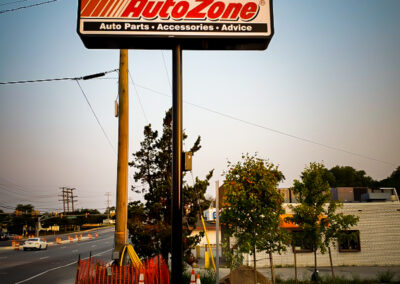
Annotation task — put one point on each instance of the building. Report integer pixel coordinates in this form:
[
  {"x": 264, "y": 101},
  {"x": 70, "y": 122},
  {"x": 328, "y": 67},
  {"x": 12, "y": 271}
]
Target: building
[{"x": 376, "y": 237}]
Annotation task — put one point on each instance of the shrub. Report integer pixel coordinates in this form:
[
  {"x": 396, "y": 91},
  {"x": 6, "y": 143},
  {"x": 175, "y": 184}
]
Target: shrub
[{"x": 385, "y": 276}]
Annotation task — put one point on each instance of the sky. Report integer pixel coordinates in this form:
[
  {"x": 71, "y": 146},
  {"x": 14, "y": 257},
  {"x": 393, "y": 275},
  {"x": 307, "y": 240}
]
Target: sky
[{"x": 326, "y": 90}]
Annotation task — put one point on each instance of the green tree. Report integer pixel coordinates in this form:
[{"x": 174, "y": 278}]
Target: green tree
[
  {"x": 252, "y": 206},
  {"x": 25, "y": 208},
  {"x": 392, "y": 181},
  {"x": 149, "y": 223},
  {"x": 316, "y": 214},
  {"x": 348, "y": 176}
]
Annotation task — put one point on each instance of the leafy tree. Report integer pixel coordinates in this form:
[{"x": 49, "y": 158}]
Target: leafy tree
[
  {"x": 25, "y": 208},
  {"x": 252, "y": 206},
  {"x": 316, "y": 214},
  {"x": 392, "y": 181},
  {"x": 348, "y": 176},
  {"x": 150, "y": 222}
]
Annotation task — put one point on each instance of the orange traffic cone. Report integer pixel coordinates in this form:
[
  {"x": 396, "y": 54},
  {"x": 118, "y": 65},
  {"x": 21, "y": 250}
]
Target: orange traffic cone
[
  {"x": 193, "y": 278},
  {"x": 198, "y": 279},
  {"x": 141, "y": 277}
]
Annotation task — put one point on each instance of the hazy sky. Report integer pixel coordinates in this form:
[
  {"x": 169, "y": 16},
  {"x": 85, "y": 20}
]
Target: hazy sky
[{"x": 331, "y": 75}]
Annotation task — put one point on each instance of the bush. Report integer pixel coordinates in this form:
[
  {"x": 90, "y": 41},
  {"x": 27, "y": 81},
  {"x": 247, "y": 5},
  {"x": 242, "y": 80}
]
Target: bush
[{"x": 385, "y": 276}]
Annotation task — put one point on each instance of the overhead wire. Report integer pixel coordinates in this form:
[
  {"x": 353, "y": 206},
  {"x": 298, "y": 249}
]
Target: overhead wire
[
  {"x": 86, "y": 77},
  {"x": 273, "y": 130},
  {"x": 139, "y": 99},
  {"x": 96, "y": 117},
  {"x": 29, "y": 6},
  {"x": 14, "y": 2}
]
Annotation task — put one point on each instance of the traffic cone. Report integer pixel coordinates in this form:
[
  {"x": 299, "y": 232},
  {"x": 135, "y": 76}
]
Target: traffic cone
[
  {"x": 198, "y": 279},
  {"x": 141, "y": 277},
  {"x": 193, "y": 278}
]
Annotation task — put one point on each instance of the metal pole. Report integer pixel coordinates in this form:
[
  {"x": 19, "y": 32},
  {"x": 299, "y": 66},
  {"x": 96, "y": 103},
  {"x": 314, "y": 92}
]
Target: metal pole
[
  {"x": 177, "y": 248},
  {"x": 120, "y": 238},
  {"x": 217, "y": 229}
]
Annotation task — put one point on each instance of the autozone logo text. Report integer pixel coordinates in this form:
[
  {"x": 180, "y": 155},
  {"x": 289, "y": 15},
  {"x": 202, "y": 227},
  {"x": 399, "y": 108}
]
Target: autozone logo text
[{"x": 175, "y": 9}]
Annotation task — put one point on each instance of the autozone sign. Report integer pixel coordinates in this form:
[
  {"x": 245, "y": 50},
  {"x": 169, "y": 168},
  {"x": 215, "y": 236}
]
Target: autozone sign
[{"x": 202, "y": 24}]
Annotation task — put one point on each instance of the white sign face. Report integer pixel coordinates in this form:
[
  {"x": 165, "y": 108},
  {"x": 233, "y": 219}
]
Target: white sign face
[{"x": 176, "y": 18}]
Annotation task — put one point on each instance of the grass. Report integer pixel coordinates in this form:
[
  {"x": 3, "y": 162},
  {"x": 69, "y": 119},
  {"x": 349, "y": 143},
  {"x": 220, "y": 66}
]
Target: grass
[
  {"x": 206, "y": 277},
  {"x": 382, "y": 277}
]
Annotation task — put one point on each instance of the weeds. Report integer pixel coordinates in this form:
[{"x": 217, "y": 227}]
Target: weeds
[{"x": 385, "y": 276}]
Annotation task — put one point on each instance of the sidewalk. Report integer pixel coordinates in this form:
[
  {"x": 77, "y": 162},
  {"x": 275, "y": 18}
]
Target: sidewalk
[{"x": 304, "y": 273}]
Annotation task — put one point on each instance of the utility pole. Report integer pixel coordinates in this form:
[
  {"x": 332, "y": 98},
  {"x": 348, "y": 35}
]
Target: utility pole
[
  {"x": 217, "y": 229},
  {"x": 71, "y": 190},
  {"x": 108, "y": 204},
  {"x": 120, "y": 238},
  {"x": 63, "y": 197}
]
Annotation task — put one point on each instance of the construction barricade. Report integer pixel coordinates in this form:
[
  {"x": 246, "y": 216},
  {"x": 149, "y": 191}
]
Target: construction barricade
[
  {"x": 96, "y": 271},
  {"x": 15, "y": 245}
]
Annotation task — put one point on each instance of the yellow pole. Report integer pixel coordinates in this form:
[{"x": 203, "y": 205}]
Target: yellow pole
[
  {"x": 120, "y": 238},
  {"x": 208, "y": 242}
]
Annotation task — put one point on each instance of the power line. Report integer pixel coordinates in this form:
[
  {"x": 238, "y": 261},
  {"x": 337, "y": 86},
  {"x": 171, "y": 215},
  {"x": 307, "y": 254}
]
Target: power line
[
  {"x": 274, "y": 130},
  {"x": 140, "y": 101},
  {"x": 14, "y": 2},
  {"x": 24, "y": 7},
  {"x": 95, "y": 116},
  {"x": 86, "y": 77}
]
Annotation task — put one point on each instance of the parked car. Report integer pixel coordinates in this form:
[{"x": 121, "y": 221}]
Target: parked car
[
  {"x": 4, "y": 236},
  {"x": 35, "y": 243}
]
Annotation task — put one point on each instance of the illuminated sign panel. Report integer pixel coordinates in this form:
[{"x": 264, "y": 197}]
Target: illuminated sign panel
[{"x": 159, "y": 24}]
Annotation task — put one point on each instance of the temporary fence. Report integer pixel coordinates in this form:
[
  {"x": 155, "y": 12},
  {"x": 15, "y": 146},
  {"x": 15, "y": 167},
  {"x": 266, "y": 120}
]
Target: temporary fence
[{"x": 96, "y": 271}]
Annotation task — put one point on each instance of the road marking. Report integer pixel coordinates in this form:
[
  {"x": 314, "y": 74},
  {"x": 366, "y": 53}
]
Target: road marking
[
  {"x": 3, "y": 257},
  {"x": 75, "y": 250},
  {"x": 55, "y": 268},
  {"x": 94, "y": 246},
  {"x": 44, "y": 257},
  {"x": 63, "y": 247}
]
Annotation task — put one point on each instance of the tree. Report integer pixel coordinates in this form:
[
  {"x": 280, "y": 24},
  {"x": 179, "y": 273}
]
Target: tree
[
  {"x": 392, "y": 181},
  {"x": 25, "y": 208},
  {"x": 348, "y": 176},
  {"x": 252, "y": 206},
  {"x": 316, "y": 214},
  {"x": 149, "y": 223}
]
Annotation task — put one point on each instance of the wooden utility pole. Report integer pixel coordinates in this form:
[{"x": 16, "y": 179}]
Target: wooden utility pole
[{"x": 120, "y": 238}]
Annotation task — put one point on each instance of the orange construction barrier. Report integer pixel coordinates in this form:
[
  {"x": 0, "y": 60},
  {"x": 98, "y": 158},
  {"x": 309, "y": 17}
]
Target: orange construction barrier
[
  {"x": 90, "y": 236},
  {"x": 96, "y": 235},
  {"x": 15, "y": 245},
  {"x": 96, "y": 271}
]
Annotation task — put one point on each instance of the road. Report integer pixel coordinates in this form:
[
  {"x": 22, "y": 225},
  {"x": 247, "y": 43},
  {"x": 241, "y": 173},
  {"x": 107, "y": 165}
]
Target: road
[{"x": 55, "y": 265}]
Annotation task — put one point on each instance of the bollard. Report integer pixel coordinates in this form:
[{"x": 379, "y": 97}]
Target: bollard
[
  {"x": 198, "y": 252},
  {"x": 206, "y": 260}
]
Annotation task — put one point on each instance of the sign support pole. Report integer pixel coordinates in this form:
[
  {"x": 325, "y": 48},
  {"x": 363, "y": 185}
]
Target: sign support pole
[
  {"x": 177, "y": 247},
  {"x": 120, "y": 238}
]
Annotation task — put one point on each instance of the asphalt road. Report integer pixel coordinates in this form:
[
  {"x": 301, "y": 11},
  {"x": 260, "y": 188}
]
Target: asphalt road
[{"x": 55, "y": 265}]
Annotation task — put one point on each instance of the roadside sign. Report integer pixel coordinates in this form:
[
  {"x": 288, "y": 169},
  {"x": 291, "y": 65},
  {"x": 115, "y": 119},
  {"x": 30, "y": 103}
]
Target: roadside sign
[{"x": 159, "y": 24}]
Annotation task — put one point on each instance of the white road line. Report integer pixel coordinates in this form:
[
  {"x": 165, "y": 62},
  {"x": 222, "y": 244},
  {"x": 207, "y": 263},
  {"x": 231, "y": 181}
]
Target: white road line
[
  {"x": 94, "y": 246},
  {"x": 44, "y": 257},
  {"x": 3, "y": 257},
  {"x": 75, "y": 250},
  {"x": 63, "y": 247},
  {"x": 55, "y": 268}
]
